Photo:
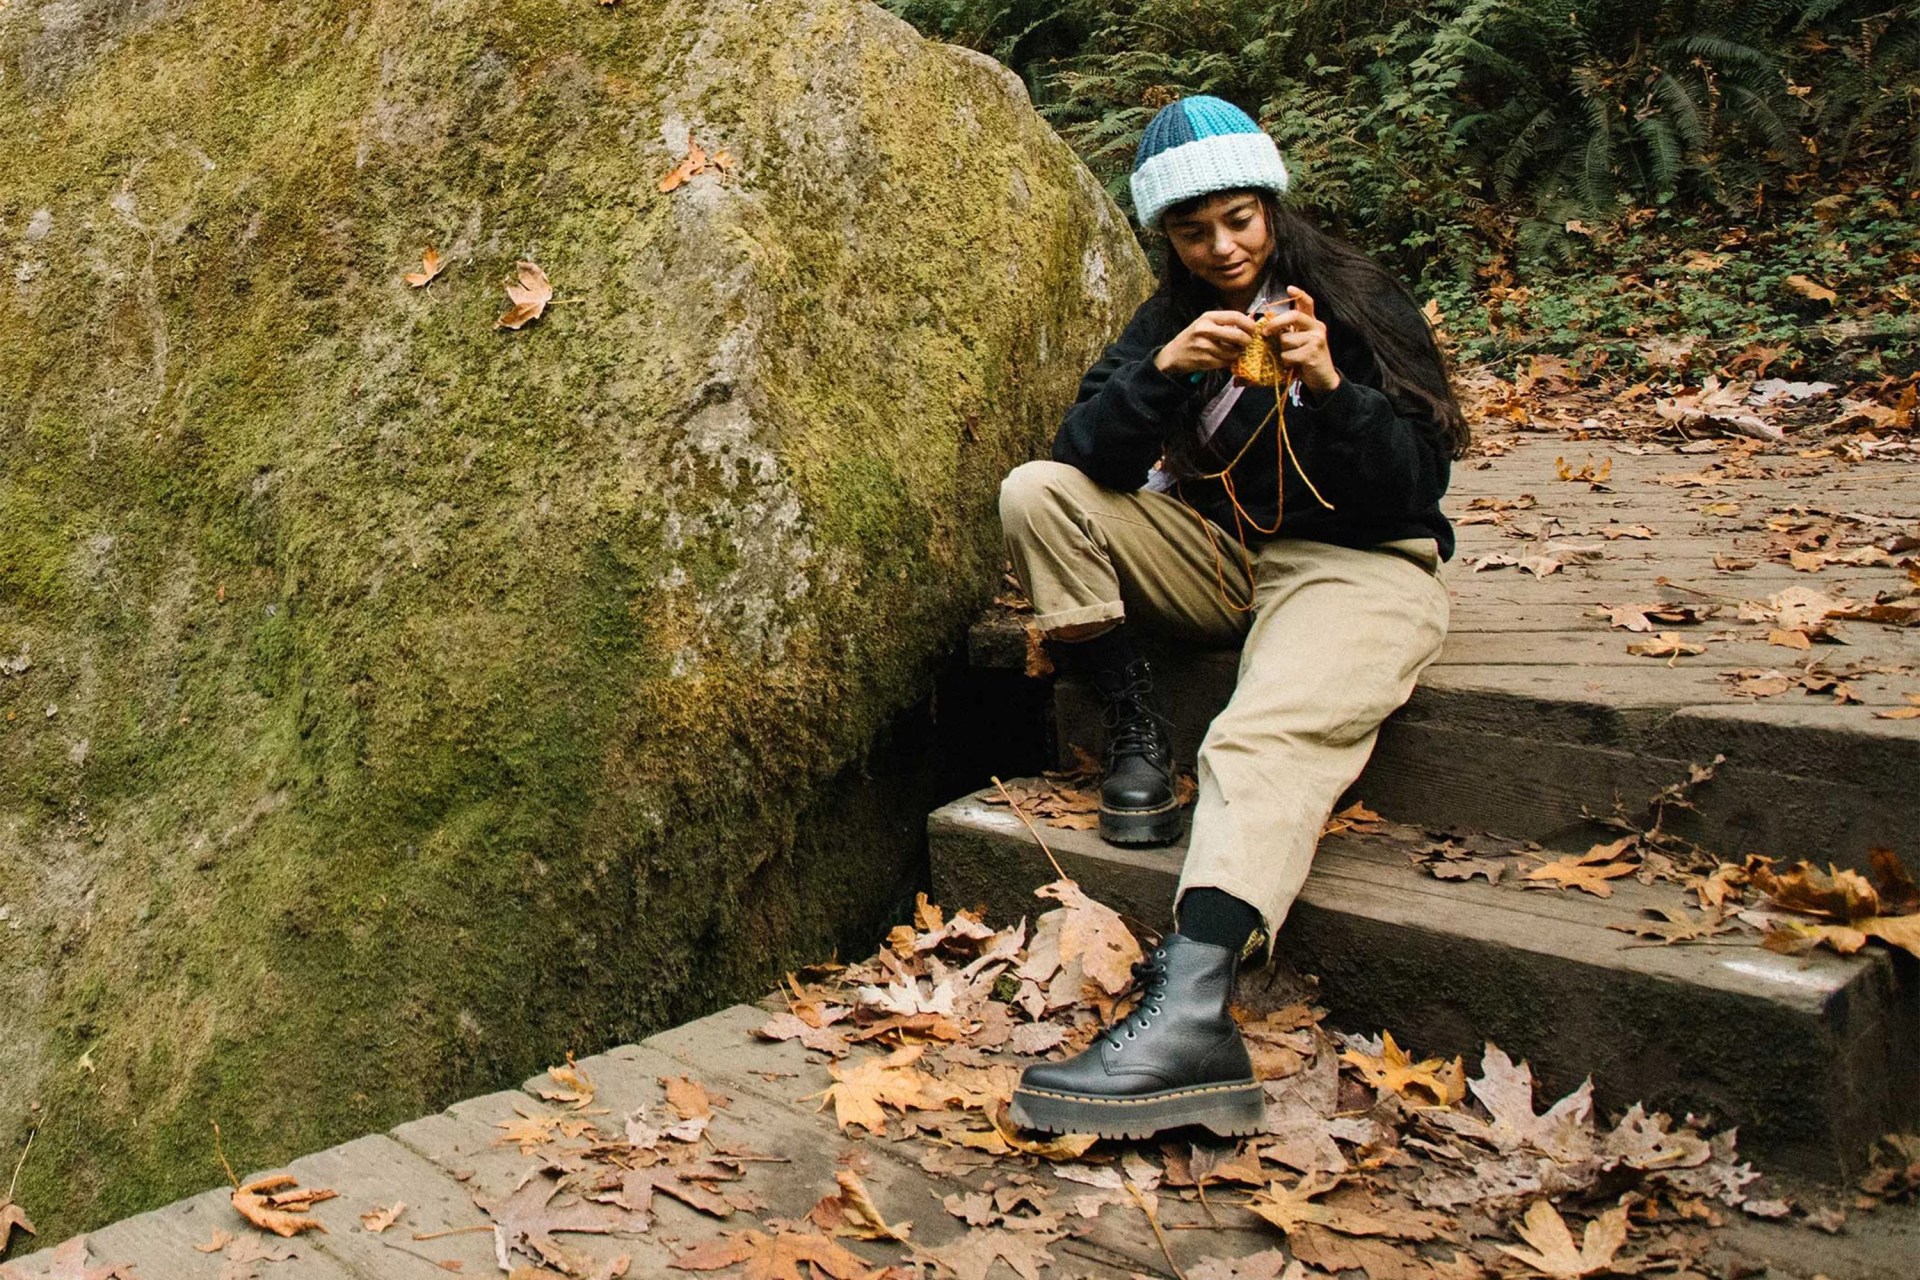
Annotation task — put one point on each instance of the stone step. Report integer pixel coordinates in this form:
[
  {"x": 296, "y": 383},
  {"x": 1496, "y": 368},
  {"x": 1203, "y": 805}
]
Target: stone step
[
  {"x": 1495, "y": 743},
  {"x": 1813, "y": 1057}
]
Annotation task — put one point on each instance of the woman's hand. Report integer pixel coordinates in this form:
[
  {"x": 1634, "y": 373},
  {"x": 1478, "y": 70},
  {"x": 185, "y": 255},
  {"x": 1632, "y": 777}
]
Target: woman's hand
[
  {"x": 1214, "y": 341},
  {"x": 1301, "y": 342}
]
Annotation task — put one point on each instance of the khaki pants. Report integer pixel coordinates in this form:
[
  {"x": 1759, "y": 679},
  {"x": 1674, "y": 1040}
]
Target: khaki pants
[{"x": 1330, "y": 648}]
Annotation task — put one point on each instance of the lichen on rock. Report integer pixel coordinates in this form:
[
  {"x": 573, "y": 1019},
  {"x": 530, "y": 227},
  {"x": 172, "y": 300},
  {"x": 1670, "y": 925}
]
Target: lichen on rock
[{"x": 407, "y": 701}]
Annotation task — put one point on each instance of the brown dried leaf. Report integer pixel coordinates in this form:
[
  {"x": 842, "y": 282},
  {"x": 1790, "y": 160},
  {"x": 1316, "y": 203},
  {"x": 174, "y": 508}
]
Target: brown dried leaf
[
  {"x": 244, "y": 1255},
  {"x": 378, "y": 1220},
  {"x": 693, "y": 164},
  {"x": 68, "y": 1261},
  {"x": 973, "y": 1255},
  {"x": 861, "y": 1094},
  {"x": 852, "y": 1212},
  {"x": 787, "y": 1026},
  {"x": 524, "y": 1221},
  {"x": 1289, "y": 1208},
  {"x": 430, "y": 260},
  {"x": 273, "y": 1203},
  {"x": 1553, "y": 1252},
  {"x": 575, "y": 1087},
  {"x": 1666, "y": 645},
  {"x": 774, "y": 1257},
  {"x": 530, "y": 293},
  {"x": 688, "y": 1098},
  {"x": 1432, "y": 1082},
  {"x": 14, "y": 1218},
  {"x": 1677, "y": 926},
  {"x": 1577, "y": 873}
]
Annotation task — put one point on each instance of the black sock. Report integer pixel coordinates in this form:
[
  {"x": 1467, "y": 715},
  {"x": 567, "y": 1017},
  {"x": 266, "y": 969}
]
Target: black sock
[{"x": 1216, "y": 916}]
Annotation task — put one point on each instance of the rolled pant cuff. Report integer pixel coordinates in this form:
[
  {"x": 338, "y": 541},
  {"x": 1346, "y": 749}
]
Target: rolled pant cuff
[{"x": 1112, "y": 611}]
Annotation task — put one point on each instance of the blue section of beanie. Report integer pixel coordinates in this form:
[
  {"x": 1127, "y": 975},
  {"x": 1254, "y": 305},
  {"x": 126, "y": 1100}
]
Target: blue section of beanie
[
  {"x": 1169, "y": 128},
  {"x": 1212, "y": 117}
]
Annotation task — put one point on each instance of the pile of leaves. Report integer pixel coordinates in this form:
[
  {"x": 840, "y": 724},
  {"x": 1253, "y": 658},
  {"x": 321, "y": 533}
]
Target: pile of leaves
[{"x": 1370, "y": 1157}]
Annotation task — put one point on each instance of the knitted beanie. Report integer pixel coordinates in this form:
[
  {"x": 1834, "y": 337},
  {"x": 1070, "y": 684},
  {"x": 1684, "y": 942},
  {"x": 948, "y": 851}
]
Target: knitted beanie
[{"x": 1197, "y": 146}]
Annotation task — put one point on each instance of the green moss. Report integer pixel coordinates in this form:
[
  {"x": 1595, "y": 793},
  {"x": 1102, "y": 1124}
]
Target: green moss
[{"x": 431, "y": 700}]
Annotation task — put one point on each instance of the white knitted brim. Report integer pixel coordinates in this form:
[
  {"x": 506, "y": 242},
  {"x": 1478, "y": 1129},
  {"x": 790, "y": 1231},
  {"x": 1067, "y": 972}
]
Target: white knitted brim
[{"x": 1203, "y": 166}]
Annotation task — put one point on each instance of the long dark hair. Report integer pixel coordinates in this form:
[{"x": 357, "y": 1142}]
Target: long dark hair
[{"x": 1358, "y": 293}]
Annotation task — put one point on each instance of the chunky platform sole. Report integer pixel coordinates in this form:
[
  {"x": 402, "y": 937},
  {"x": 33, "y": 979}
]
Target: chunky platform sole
[
  {"x": 1142, "y": 826},
  {"x": 1231, "y": 1110}
]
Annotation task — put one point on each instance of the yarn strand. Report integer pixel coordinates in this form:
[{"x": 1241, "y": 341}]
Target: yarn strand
[{"x": 1267, "y": 372}]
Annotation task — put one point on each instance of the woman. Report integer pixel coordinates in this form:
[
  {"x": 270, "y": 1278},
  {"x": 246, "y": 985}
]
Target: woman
[{"x": 1297, "y": 517}]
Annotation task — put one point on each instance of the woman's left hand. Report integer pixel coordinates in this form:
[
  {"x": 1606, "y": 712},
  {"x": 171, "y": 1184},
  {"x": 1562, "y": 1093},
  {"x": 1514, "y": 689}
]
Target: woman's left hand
[{"x": 1301, "y": 341}]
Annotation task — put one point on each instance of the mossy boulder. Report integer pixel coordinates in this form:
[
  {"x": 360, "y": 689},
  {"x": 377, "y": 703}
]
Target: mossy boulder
[{"x": 390, "y": 703}]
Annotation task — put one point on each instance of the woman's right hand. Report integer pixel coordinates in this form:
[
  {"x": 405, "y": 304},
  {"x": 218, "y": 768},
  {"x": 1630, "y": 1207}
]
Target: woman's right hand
[{"x": 1213, "y": 341}]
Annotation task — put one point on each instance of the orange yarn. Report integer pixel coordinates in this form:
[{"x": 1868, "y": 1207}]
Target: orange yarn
[{"x": 1257, "y": 365}]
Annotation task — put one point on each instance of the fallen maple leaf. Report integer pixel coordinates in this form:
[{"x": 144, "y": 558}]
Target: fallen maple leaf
[
  {"x": 1289, "y": 1208},
  {"x": 1356, "y": 818},
  {"x": 1081, "y": 939},
  {"x": 1564, "y": 1132},
  {"x": 431, "y": 261},
  {"x": 774, "y": 1257},
  {"x": 219, "y": 1240},
  {"x": 273, "y": 1203},
  {"x": 688, "y": 1098},
  {"x": 1394, "y": 1071},
  {"x": 852, "y": 1212},
  {"x": 861, "y": 1094},
  {"x": 1666, "y": 645},
  {"x": 1553, "y": 1251},
  {"x": 1808, "y": 288},
  {"x": 68, "y": 1261},
  {"x": 12, "y": 1218},
  {"x": 378, "y": 1220},
  {"x": 634, "y": 1189},
  {"x": 1589, "y": 871},
  {"x": 523, "y": 1221},
  {"x": 243, "y": 1256},
  {"x": 973, "y": 1255},
  {"x": 694, "y": 163},
  {"x": 530, "y": 294},
  {"x": 1677, "y": 926},
  {"x": 575, "y": 1087}
]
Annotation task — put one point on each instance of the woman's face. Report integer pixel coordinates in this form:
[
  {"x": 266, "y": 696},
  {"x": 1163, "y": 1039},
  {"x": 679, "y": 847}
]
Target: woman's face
[{"x": 1224, "y": 242}]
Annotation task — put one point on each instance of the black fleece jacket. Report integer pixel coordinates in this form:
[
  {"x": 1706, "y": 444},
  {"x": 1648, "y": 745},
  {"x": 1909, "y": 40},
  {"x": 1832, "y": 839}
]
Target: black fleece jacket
[{"x": 1383, "y": 468}]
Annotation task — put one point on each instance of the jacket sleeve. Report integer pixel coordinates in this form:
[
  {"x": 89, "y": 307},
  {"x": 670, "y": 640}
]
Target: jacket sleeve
[
  {"x": 1363, "y": 452},
  {"x": 1126, "y": 409}
]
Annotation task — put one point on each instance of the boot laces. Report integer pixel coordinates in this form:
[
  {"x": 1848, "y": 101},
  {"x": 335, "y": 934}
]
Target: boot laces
[
  {"x": 1133, "y": 726},
  {"x": 1150, "y": 976}
]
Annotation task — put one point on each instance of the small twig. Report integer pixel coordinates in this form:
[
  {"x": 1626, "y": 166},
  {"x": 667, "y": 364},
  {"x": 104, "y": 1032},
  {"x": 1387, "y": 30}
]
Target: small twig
[
  {"x": 1021, "y": 813},
  {"x": 1158, "y": 1234},
  {"x": 19, "y": 1165},
  {"x": 1696, "y": 591},
  {"x": 452, "y": 1231},
  {"x": 415, "y": 1253},
  {"x": 1200, "y": 1186},
  {"x": 223, "y": 1156}
]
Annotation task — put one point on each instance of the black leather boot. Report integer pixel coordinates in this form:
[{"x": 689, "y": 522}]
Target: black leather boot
[
  {"x": 1137, "y": 803},
  {"x": 1177, "y": 1059}
]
